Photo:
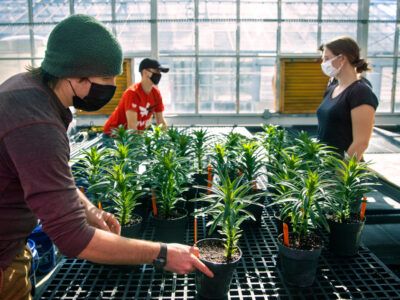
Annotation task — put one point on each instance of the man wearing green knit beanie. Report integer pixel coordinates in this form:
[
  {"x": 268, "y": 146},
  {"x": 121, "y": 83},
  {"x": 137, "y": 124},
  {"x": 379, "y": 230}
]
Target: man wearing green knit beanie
[{"x": 81, "y": 63}]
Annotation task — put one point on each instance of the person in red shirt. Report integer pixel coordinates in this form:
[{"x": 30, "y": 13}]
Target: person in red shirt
[{"x": 140, "y": 101}]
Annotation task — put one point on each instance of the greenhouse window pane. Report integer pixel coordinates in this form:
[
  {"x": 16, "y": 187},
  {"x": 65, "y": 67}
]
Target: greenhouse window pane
[
  {"x": 397, "y": 102},
  {"x": 13, "y": 11},
  {"x": 217, "y": 85},
  {"x": 175, "y": 9},
  {"x": 333, "y": 9},
  {"x": 331, "y": 31},
  {"x": 258, "y": 36},
  {"x": 132, "y": 9},
  {"x": 15, "y": 41},
  {"x": 299, "y": 38},
  {"x": 41, "y": 34},
  {"x": 257, "y": 9},
  {"x": 178, "y": 85},
  {"x": 381, "y": 38},
  {"x": 50, "y": 11},
  {"x": 134, "y": 36},
  {"x": 99, "y": 9},
  {"x": 256, "y": 90},
  {"x": 294, "y": 9},
  {"x": 211, "y": 9},
  {"x": 11, "y": 67},
  {"x": 381, "y": 78},
  {"x": 382, "y": 10},
  {"x": 217, "y": 36},
  {"x": 176, "y": 37}
]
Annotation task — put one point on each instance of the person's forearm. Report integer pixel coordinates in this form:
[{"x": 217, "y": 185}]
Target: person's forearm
[
  {"x": 109, "y": 248},
  {"x": 84, "y": 200},
  {"x": 357, "y": 148}
]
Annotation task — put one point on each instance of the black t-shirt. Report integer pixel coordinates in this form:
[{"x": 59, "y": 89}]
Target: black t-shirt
[{"x": 334, "y": 114}]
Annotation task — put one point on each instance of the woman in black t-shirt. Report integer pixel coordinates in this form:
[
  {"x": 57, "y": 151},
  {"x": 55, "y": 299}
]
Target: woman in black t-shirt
[{"x": 347, "y": 113}]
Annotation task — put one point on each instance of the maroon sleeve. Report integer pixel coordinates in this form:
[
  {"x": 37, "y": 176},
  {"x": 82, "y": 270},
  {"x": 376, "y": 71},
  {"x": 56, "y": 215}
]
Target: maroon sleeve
[{"x": 40, "y": 155}]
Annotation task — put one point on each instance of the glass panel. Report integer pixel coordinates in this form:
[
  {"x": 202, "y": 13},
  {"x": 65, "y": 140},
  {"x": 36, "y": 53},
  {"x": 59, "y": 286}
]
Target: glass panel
[
  {"x": 258, "y": 36},
  {"x": 209, "y": 9},
  {"x": 256, "y": 85},
  {"x": 266, "y": 9},
  {"x": 11, "y": 67},
  {"x": 99, "y": 9},
  {"x": 217, "y": 36},
  {"x": 381, "y": 78},
  {"x": 176, "y": 37},
  {"x": 381, "y": 38},
  {"x": 134, "y": 36},
  {"x": 50, "y": 11},
  {"x": 14, "y": 11},
  {"x": 382, "y": 10},
  {"x": 333, "y": 9},
  {"x": 15, "y": 41},
  {"x": 330, "y": 31},
  {"x": 175, "y": 9},
  {"x": 41, "y": 34},
  {"x": 217, "y": 85},
  {"x": 397, "y": 98},
  {"x": 294, "y": 9},
  {"x": 132, "y": 9},
  {"x": 299, "y": 38},
  {"x": 177, "y": 87}
]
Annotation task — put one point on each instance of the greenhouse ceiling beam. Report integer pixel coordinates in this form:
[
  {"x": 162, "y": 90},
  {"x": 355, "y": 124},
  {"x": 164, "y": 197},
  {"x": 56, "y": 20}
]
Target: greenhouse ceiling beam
[{"x": 362, "y": 26}]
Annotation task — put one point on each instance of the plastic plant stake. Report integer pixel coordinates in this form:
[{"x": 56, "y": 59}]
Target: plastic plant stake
[
  {"x": 99, "y": 205},
  {"x": 363, "y": 208},
  {"x": 285, "y": 235},
  {"x": 154, "y": 203},
  {"x": 209, "y": 178}
]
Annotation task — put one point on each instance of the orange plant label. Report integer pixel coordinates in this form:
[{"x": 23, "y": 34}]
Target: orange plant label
[
  {"x": 99, "y": 205},
  {"x": 209, "y": 178},
  {"x": 285, "y": 235},
  {"x": 154, "y": 203},
  {"x": 82, "y": 189},
  {"x": 255, "y": 185},
  {"x": 195, "y": 230},
  {"x": 363, "y": 208}
]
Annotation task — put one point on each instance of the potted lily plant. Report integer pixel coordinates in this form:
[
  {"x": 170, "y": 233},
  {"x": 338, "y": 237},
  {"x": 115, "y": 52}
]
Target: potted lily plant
[
  {"x": 251, "y": 164},
  {"x": 227, "y": 209},
  {"x": 169, "y": 219},
  {"x": 201, "y": 140},
  {"x": 299, "y": 250},
  {"x": 346, "y": 219}
]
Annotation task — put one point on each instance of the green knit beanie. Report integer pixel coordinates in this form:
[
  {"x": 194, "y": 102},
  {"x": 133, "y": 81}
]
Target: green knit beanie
[{"x": 80, "y": 46}]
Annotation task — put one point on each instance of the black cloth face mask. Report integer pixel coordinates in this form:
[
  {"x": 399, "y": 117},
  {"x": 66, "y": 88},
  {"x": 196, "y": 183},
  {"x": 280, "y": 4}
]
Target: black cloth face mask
[
  {"x": 155, "y": 78},
  {"x": 99, "y": 95}
]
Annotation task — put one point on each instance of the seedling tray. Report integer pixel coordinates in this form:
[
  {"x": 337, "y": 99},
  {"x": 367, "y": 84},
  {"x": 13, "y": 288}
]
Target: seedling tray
[{"x": 257, "y": 277}]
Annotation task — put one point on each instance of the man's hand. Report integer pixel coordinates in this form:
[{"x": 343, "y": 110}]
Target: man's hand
[
  {"x": 99, "y": 218},
  {"x": 102, "y": 220},
  {"x": 182, "y": 259}
]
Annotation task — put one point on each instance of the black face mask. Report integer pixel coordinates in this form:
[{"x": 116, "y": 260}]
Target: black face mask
[
  {"x": 155, "y": 78},
  {"x": 99, "y": 95}
]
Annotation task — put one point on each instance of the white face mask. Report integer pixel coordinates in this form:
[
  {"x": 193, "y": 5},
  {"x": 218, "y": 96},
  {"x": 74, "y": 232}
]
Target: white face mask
[{"x": 329, "y": 69}]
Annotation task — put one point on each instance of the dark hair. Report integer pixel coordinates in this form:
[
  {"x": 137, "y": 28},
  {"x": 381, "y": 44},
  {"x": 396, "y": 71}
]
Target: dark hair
[
  {"x": 45, "y": 77},
  {"x": 349, "y": 48}
]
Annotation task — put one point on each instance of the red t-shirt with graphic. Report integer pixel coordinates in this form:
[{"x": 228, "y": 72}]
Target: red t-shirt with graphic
[{"x": 135, "y": 99}]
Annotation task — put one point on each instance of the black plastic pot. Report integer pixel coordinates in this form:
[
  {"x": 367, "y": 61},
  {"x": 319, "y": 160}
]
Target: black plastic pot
[
  {"x": 188, "y": 195},
  {"x": 344, "y": 239},
  {"x": 255, "y": 210},
  {"x": 171, "y": 230},
  {"x": 218, "y": 286},
  {"x": 200, "y": 179},
  {"x": 298, "y": 266},
  {"x": 134, "y": 230}
]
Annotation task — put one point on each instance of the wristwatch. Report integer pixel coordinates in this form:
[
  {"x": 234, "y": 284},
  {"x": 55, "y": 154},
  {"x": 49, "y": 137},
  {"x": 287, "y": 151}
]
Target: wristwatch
[{"x": 161, "y": 260}]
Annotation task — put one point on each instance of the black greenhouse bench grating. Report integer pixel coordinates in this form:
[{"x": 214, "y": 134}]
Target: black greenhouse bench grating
[{"x": 256, "y": 277}]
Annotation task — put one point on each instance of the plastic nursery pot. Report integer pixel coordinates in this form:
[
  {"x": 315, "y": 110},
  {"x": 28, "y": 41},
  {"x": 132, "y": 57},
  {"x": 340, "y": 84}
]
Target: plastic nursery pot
[
  {"x": 133, "y": 230},
  {"x": 200, "y": 179},
  {"x": 298, "y": 266},
  {"x": 171, "y": 230},
  {"x": 189, "y": 194},
  {"x": 218, "y": 286},
  {"x": 344, "y": 238},
  {"x": 255, "y": 210}
]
